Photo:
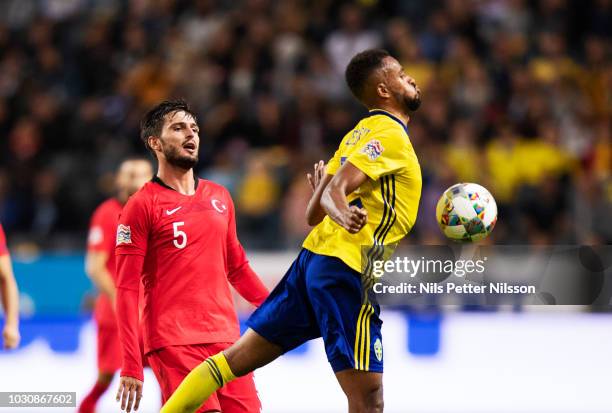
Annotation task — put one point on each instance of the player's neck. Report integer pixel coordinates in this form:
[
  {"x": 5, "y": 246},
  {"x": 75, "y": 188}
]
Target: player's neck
[
  {"x": 122, "y": 197},
  {"x": 395, "y": 112},
  {"x": 181, "y": 180}
]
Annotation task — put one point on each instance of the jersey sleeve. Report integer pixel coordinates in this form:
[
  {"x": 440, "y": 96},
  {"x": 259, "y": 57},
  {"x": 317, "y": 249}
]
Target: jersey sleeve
[
  {"x": 131, "y": 247},
  {"x": 3, "y": 247},
  {"x": 239, "y": 272},
  {"x": 98, "y": 237},
  {"x": 133, "y": 228},
  {"x": 334, "y": 163},
  {"x": 380, "y": 153},
  {"x": 129, "y": 267}
]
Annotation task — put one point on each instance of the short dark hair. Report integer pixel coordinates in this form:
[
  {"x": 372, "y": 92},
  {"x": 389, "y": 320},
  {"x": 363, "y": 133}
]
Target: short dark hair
[
  {"x": 361, "y": 67},
  {"x": 153, "y": 121}
]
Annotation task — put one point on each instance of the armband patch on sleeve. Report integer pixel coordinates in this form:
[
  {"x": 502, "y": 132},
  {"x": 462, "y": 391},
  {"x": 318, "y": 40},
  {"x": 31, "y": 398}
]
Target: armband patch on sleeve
[
  {"x": 124, "y": 234},
  {"x": 373, "y": 149}
]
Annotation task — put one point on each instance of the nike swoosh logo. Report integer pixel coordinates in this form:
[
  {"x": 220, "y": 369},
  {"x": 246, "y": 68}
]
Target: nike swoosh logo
[{"x": 172, "y": 211}]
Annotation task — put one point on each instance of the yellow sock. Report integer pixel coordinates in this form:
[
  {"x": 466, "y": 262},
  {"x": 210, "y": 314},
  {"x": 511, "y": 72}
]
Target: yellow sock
[{"x": 199, "y": 384}]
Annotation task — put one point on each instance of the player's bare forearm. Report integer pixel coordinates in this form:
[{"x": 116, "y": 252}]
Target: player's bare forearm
[
  {"x": 10, "y": 294},
  {"x": 10, "y": 303},
  {"x": 314, "y": 211},
  {"x": 334, "y": 201}
]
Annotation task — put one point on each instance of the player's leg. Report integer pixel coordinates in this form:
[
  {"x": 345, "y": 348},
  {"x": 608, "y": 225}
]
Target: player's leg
[
  {"x": 88, "y": 404},
  {"x": 351, "y": 330},
  {"x": 172, "y": 364},
  {"x": 284, "y": 321},
  {"x": 109, "y": 361},
  {"x": 251, "y": 352},
  {"x": 248, "y": 353},
  {"x": 363, "y": 390},
  {"x": 240, "y": 396}
]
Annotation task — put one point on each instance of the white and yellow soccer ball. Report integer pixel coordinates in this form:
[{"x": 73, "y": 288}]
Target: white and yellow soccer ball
[{"x": 466, "y": 212}]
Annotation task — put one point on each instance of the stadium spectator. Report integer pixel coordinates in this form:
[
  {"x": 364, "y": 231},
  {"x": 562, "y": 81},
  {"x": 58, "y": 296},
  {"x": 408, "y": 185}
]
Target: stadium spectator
[{"x": 75, "y": 75}]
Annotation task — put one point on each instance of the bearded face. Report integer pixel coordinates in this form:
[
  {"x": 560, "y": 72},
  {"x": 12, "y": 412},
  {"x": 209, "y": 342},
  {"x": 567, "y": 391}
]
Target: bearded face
[
  {"x": 402, "y": 86},
  {"x": 180, "y": 140},
  {"x": 410, "y": 102},
  {"x": 184, "y": 156}
]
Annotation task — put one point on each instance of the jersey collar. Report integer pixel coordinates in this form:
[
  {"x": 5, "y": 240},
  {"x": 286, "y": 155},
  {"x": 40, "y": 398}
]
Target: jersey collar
[
  {"x": 158, "y": 181},
  {"x": 392, "y": 116}
]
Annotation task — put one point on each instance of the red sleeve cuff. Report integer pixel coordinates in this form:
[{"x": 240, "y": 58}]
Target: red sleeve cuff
[{"x": 138, "y": 375}]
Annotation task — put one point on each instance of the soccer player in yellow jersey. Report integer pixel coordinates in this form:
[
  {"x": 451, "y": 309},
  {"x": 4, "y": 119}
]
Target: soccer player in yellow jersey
[{"x": 367, "y": 199}]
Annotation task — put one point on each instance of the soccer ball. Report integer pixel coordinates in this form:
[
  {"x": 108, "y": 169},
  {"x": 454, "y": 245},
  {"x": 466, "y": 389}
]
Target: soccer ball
[{"x": 466, "y": 212}]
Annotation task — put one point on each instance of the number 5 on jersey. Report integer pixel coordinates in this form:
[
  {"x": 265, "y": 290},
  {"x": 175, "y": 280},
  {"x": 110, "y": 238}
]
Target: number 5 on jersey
[{"x": 178, "y": 234}]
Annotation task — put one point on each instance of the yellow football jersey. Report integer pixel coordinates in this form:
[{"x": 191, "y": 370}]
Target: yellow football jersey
[{"x": 380, "y": 147}]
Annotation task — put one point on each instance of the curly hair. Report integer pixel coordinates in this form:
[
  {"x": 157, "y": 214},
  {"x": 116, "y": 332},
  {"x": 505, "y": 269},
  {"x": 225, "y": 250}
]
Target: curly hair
[{"x": 361, "y": 67}]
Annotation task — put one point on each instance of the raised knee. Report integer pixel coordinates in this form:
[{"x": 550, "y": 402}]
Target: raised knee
[{"x": 369, "y": 402}]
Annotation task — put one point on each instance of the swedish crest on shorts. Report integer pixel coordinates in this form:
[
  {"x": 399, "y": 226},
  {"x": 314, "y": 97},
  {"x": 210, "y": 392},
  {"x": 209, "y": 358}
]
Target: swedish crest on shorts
[
  {"x": 124, "y": 234},
  {"x": 378, "y": 349}
]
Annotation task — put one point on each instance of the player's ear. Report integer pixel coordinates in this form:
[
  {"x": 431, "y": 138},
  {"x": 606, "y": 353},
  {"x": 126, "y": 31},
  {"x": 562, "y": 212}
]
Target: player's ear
[
  {"x": 382, "y": 91},
  {"x": 154, "y": 143}
]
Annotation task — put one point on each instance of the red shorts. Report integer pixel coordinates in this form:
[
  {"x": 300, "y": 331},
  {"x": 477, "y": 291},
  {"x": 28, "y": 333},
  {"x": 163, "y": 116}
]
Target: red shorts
[
  {"x": 171, "y": 365},
  {"x": 109, "y": 349}
]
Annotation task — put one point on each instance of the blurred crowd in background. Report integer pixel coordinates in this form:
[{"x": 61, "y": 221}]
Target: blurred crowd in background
[{"x": 517, "y": 96}]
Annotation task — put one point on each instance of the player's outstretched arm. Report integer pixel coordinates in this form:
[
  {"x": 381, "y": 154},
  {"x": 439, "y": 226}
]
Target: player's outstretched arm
[
  {"x": 317, "y": 181},
  {"x": 334, "y": 201},
  {"x": 10, "y": 303}
]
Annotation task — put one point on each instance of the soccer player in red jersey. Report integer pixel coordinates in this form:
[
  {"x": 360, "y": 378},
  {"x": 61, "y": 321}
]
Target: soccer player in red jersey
[
  {"x": 100, "y": 267},
  {"x": 9, "y": 295},
  {"x": 178, "y": 233}
]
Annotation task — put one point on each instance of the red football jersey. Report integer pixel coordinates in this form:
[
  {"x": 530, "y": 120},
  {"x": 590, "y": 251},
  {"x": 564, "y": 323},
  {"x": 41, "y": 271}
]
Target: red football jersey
[
  {"x": 190, "y": 251},
  {"x": 3, "y": 248},
  {"x": 102, "y": 230}
]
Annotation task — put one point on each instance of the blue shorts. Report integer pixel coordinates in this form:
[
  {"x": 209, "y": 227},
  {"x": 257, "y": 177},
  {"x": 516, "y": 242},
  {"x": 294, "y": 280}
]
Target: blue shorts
[{"x": 321, "y": 296}]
